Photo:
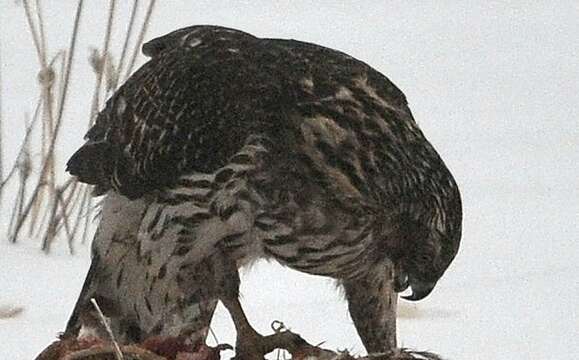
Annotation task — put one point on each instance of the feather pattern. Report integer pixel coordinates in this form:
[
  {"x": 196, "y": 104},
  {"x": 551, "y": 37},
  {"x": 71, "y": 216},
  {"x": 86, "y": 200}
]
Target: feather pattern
[{"x": 259, "y": 148}]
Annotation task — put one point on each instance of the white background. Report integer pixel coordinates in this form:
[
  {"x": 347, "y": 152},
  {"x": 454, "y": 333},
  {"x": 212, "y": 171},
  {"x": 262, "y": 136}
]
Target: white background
[{"x": 495, "y": 88}]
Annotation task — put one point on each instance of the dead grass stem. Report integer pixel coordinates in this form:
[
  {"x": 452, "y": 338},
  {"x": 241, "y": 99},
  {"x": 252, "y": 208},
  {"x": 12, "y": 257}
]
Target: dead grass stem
[
  {"x": 47, "y": 206},
  {"x": 1, "y": 135}
]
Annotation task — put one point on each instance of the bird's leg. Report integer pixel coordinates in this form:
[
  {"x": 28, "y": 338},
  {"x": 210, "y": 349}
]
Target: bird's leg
[
  {"x": 372, "y": 304},
  {"x": 250, "y": 344}
]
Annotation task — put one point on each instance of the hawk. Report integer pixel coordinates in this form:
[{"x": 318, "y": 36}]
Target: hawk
[{"x": 225, "y": 148}]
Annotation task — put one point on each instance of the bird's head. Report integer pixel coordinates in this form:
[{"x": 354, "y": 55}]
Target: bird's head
[
  {"x": 429, "y": 244},
  {"x": 422, "y": 270}
]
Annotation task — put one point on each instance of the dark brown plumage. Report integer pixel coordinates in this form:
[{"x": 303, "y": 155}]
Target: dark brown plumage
[{"x": 225, "y": 147}]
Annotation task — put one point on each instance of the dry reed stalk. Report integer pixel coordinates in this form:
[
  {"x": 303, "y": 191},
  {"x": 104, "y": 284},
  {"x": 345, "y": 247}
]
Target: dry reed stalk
[
  {"x": 28, "y": 133},
  {"x": 47, "y": 161},
  {"x": 59, "y": 217},
  {"x": 22, "y": 167},
  {"x": 50, "y": 235},
  {"x": 49, "y": 98},
  {"x": 64, "y": 206},
  {"x": 118, "y": 353},
  {"x": 46, "y": 79},
  {"x": 141, "y": 38},
  {"x": 128, "y": 35},
  {"x": 49, "y": 176},
  {"x": 35, "y": 34},
  {"x": 99, "y": 62},
  {"x": 68, "y": 198},
  {"x": 45, "y": 207},
  {"x": 78, "y": 205},
  {"x": 1, "y": 137}
]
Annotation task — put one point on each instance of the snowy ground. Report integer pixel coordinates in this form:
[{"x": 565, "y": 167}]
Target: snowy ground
[{"x": 494, "y": 87}]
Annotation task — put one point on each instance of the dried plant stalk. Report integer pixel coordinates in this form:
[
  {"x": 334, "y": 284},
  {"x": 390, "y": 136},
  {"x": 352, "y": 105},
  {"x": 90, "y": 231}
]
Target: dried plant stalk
[
  {"x": 45, "y": 77},
  {"x": 42, "y": 204},
  {"x": 1, "y": 137},
  {"x": 117, "y": 352},
  {"x": 128, "y": 35},
  {"x": 141, "y": 38},
  {"x": 47, "y": 161},
  {"x": 99, "y": 62}
]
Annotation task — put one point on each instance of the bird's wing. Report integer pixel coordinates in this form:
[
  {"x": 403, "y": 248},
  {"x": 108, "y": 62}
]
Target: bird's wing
[
  {"x": 203, "y": 92},
  {"x": 187, "y": 109}
]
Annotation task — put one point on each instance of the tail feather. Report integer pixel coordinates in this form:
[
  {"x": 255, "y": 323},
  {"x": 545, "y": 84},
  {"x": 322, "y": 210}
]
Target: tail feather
[
  {"x": 82, "y": 304},
  {"x": 91, "y": 163}
]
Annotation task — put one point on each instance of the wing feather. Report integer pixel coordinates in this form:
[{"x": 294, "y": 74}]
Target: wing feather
[{"x": 203, "y": 92}]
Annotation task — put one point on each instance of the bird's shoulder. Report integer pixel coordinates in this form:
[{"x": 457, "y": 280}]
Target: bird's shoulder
[{"x": 204, "y": 91}]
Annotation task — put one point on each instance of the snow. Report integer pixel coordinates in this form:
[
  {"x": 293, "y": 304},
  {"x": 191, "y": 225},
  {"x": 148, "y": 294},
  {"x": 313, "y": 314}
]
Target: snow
[{"x": 495, "y": 88}]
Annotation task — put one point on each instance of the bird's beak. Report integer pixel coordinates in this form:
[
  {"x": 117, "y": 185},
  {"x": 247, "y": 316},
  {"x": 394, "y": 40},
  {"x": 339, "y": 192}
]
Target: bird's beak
[
  {"x": 401, "y": 282},
  {"x": 420, "y": 290}
]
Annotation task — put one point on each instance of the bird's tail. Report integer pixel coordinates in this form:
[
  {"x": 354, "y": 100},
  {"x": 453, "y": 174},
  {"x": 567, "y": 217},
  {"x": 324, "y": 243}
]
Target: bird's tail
[{"x": 82, "y": 305}]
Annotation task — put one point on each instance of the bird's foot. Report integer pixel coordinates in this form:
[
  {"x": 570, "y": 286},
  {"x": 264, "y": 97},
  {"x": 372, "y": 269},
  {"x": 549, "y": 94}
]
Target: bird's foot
[
  {"x": 253, "y": 346},
  {"x": 250, "y": 345}
]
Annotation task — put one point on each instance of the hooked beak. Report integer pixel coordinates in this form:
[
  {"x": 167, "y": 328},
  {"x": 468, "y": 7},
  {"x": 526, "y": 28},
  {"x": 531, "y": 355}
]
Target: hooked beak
[
  {"x": 401, "y": 282},
  {"x": 420, "y": 290}
]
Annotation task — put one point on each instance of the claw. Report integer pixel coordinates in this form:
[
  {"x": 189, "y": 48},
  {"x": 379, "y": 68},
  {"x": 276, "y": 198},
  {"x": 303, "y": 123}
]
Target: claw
[{"x": 223, "y": 347}]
